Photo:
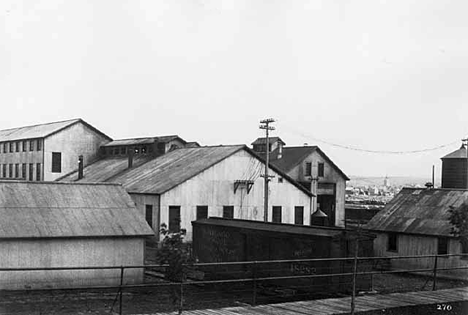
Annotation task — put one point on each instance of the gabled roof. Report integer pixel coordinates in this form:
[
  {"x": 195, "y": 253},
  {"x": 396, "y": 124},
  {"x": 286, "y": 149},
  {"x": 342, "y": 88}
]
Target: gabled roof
[
  {"x": 419, "y": 211},
  {"x": 457, "y": 154},
  {"x": 104, "y": 169},
  {"x": 293, "y": 156},
  {"x": 147, "y": 140},
  {"x": 270, "y": 140},
  {"x": 42, "y": 130},
  {"x": 66, "y": 210}
]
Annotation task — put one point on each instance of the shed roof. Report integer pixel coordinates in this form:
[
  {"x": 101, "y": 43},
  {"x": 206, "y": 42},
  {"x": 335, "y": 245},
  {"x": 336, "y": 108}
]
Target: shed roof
[
  {"x": 66, "y": 210},
  {"x": 272, "y": 227},
  {"x": 262, "y": 140},
  {"x": 42, "y": 130},
  {"x": 106, "y": 168},
  {"x": 419, "y": 211},
  {"x": 293, "y": 156},
  {"x": 457, "y": 154},
  {"x": 146, "y": 140}
]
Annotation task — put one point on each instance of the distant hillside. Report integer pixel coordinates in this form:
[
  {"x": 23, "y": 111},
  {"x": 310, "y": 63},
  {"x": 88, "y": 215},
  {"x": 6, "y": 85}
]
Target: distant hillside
[{"x": 394, "y": 181}]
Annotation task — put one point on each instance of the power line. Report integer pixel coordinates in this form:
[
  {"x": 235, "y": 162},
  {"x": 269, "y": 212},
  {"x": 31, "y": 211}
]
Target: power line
[{"x": 353, "y": 148}]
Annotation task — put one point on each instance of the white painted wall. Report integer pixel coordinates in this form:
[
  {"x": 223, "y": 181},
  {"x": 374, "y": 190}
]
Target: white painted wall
[
  {"x": 72, "y": 142},
  {"x": 215, "y": 188},
  {"x": 330, "y": 176},
  {"x": 415, "y": 245},
  {"x": 141, "y": 200},
  {"x": 69, "y": 253}
]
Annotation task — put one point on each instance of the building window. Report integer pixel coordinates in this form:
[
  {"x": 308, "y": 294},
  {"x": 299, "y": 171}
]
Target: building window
[
  {"x": 5, "y": 147},
  {"x": 174, "y": 219},
  {"x": 4, "y": 172},
  {"x": 31, "y": 171},
  {"x": 149, "y": 214},
  {"x": 11, "y": 146},
  {"x": 280, "y": 179},
  {"x": 276, "y": 214},
  {"x": 228, "y": 212},
  {"x": 56, "y": 162},
  {"x": 308, "y": 169},
  {"x": 23, "y": 170},
  {"x": 17, "y": 146},
  {"x": 39, "y": 144},
  {"x": 464, "y": 248},
  {"x": 31, "y": 145},
  {"x": 298, "y": 215},
  {"x": 321, "y": 170},
  {"x": 1, "y": 171},
  {"x": 25, "y": 145},
  {"x": 202, "y": 212},
  {"x": 392, "y": 245},
  {"x": 123, "y": 150},
  {"x": 38, "y": 171},
  {"x": 442, "y": 246},
  {"x": 17, "y": 170},
  {"x": 10, "y": 170},
  {"x": 144, "y": 149}
]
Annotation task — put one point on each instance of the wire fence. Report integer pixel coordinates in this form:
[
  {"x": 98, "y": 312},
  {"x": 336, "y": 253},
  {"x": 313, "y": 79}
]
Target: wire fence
[{"x": 144, "y": 289}]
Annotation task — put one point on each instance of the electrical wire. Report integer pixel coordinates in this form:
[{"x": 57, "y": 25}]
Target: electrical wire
[{"x": 354, "y": 148}]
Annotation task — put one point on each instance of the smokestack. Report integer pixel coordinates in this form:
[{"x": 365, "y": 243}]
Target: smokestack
[
  {"x": 80, "y": 167},
  {"x": 131, "y": 151}
]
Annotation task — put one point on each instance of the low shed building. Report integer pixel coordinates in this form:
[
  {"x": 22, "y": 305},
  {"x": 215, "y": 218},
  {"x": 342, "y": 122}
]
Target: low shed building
[
  {"x": 50, "y": 224},
  {"x": 416, "y": 222}
]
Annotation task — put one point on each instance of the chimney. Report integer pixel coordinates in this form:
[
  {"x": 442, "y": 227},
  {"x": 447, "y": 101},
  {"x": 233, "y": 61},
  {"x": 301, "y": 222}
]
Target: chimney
[
  {"x": 131, "y": 151},
  {"x": 80, "y": 167}
]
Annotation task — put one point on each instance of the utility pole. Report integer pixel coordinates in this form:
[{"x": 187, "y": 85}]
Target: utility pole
[
  {"x": 465, "y": 143},
  {"x": 266, "y": 125}
]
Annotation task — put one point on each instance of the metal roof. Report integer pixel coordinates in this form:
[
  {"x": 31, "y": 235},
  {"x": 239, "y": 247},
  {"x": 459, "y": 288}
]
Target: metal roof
[
  {"x": 172, "y": 169},
  {"x": 147, "y": 140},
  {"x": 457, "y": 154},
  {"x": 272, "y": 227},
  {"x": 41, "y": 131},
  {"x": 419, "y": 211},
  {"x": 293, "y": 156},
  {"x": 270, "y": 140},
  {"x": 106, "y": 168},
  {"x": 66, "y": 210}
]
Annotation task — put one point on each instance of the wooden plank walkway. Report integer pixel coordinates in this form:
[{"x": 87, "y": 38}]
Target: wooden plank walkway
[{"x": 342, "y": 305}]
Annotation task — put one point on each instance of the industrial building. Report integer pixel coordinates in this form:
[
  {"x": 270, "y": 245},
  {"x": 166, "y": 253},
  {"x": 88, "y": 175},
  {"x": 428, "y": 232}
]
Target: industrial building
[
  {"x": 57, "y": 225},
  {"x": 187, "y": 184},
  {"x": 48, "y": 151},
  {"x": 313, "y": 169}
]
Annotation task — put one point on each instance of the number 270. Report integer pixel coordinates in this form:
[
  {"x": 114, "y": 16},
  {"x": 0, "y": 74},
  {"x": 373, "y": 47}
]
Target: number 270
[{"x": 444, "y": 307}]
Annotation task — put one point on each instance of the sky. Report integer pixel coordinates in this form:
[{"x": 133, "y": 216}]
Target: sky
[{"x": 372, "y": 75}]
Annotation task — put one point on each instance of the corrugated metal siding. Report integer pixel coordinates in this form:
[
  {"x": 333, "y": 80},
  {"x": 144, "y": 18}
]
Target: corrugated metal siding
[
  {"x": 50, "y": 209},
  {"x": 419, "y": 211},
  {"x": 36, "y": 131},
  {"x": 454, "y": 174}
]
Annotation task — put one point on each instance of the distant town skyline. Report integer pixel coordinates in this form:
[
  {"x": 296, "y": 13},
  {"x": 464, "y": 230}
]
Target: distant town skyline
[{"x": 383, "y": 76}]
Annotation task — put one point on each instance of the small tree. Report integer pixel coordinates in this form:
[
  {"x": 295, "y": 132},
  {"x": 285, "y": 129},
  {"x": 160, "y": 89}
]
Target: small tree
[
  {"x": 176, "y": 254},
  {"x": 458, "y": 217}
]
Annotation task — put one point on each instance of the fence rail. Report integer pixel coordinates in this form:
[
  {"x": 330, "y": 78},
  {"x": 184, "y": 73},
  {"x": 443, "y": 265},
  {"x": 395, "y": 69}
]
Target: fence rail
[{"x": 251, "y": 273}]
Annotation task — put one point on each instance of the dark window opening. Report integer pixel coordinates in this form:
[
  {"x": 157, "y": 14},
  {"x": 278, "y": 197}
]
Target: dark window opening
[
  {"x": 23, "y": 171},
  {"x": 56, "y": 162},
  {"x": 308, "y": 169},
  {"x": 174, "y": 219},
  {"x": 25, "y": 145},
  {"x": 16, "y": 170},
  {"x": 280, "y": 179},
  {"x": 31, "y": 145},
  {"x": 17, "y": 149},
  {"x": 442, "y": 246},
  {"x": 228, "y": 212},
  {"x": 144, "y": 150},
  {"x": 464, "y": 247},
  {"x": 4, "y": 145},
  {"x": 321, "y": 169},
  {"x": 149, "y": 214},
  {"x": 298, "y": 215},
  {"x": 276, "y": 214},
  {"x": 123, "y": 150},
  {"x": 39, "y": 144},
  {"x": 38, "y": 171},
  {"x": 202, "y": 212},
  {"x": 10, "y": 170},
  {"x": 31, "y": 171},
  {"x": 11, "y": 146},
  {"x": 392, "y": 244}
]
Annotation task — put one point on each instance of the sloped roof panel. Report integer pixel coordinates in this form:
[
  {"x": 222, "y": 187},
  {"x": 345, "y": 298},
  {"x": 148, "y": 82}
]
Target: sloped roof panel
[
  {"x": 419, "y": 211},
  {"x": 51, "y": 210}
]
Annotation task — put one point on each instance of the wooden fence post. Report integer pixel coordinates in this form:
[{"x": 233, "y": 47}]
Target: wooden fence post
[
  {"x": 434, "y": 277},
  {"x": 120, "y": 295}
]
